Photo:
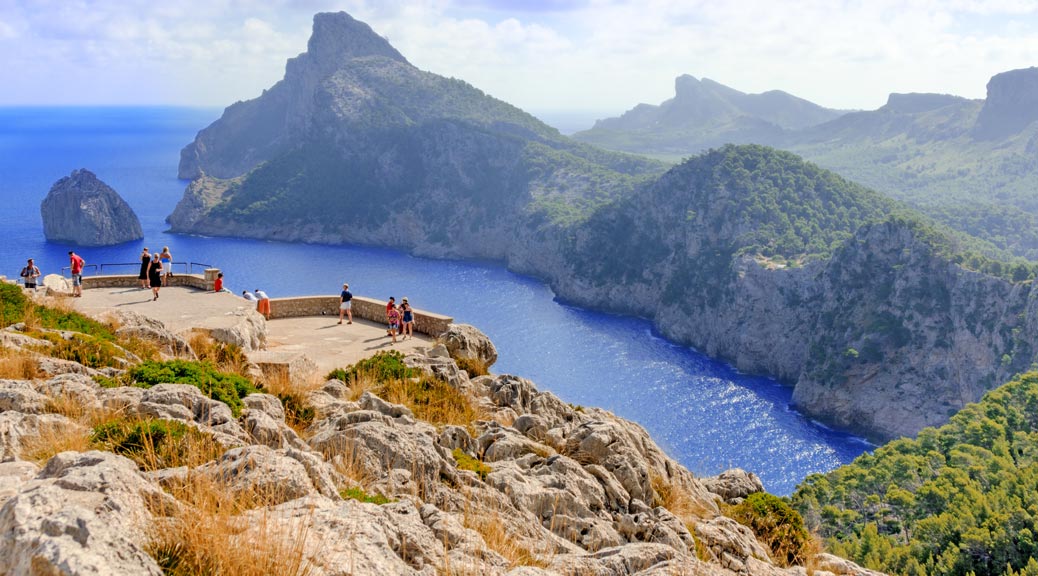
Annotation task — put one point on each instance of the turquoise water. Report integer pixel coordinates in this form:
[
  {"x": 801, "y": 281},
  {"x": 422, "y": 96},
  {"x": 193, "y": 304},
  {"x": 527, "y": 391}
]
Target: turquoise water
[{"x": 702, "y": 412}]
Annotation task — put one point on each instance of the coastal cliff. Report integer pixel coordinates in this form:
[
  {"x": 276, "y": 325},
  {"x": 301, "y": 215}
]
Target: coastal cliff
[
  {"x": 882, "y": 322},
  {"x": 149, "y": 462}
]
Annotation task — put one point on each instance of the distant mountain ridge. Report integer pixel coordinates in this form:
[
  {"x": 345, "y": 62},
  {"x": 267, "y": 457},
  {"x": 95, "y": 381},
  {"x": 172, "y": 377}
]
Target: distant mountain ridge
[
  {"x": 705, "y": 114},
  {"x": 970, "y": 164}
]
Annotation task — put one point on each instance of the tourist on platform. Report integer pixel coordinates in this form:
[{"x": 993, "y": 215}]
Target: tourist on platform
[
  {"x": 393, "y": 317},
  {"x": 155, "y": 276},
  {"x": 346, "y": 304},
  {"x": 77, "y": 263},
  {"x": 248, "y": 296},
  {"x": 145, "y": 263},
  {"x": 263, "y": 304},
  {"x": 408, "y": 319},
  {"x": 218, "y": 283},
  {"x": 167, "y": 265},
  {"x": 29, "y": 274}
]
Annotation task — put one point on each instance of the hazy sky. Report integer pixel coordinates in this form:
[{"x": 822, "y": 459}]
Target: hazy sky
[{"x": 598, "y": 55}]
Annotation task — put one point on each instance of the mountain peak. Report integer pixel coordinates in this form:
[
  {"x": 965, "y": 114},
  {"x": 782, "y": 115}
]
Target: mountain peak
[
  {"x": 1011, "y": 105},
  {"x": 337, "y": 36}
]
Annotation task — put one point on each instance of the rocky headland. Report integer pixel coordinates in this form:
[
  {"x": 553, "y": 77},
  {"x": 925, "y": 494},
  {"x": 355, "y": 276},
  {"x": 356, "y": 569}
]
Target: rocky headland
[
  {"x": 330, "y": 477},
  {"x": 883, "y": 322},
  {"x": 84, "y": 211}
]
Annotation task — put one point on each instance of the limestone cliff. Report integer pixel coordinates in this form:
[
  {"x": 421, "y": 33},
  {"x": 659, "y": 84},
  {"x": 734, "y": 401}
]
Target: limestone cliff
[{"x": 82, "y": 210}]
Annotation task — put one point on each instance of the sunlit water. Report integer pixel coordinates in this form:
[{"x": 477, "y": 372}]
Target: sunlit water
[{"x": 701, "y": 411}]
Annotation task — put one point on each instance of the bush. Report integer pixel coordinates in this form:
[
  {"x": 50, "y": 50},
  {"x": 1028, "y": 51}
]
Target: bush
[
  {"x": 466, "y": 462},
  {"x": 474, "y": 366},
  {"x": 381, "y": 367},
  {"x": 155, "y": 444},
  {"x": 777, "y": 525},
  {"x": 221, "y": 386}
]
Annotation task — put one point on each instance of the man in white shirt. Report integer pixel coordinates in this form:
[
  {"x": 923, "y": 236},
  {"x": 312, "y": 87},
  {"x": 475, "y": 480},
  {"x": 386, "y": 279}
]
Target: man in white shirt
[
  {"x": 248, "y": 296},
  {"x": 263, "y": 304}
]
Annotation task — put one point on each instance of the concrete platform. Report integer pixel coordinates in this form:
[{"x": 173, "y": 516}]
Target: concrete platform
[{"x": 328, "y": 344}]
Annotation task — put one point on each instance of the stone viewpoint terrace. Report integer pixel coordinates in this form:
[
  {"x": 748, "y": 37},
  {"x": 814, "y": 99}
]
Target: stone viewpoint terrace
[{"x": 302, "y": 335}]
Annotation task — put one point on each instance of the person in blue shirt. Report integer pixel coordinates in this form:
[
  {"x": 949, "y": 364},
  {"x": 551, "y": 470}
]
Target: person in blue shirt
[{"x": 345, "y": 304}]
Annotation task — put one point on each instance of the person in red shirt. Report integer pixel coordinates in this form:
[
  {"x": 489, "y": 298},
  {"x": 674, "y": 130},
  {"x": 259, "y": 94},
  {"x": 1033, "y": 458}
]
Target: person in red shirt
[
  {"x": 77, "y": 273},
  {"x": 218, "y": 283}
]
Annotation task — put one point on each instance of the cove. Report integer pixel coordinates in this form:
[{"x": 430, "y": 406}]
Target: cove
[{"x": 704, "y": 413}]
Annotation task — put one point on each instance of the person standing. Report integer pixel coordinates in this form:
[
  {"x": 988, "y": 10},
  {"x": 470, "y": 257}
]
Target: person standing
[
  {"x": 29, "y": 274},
  {"x": 346, "y": 304},
  {"x": 263, "y": 304},
  {"x": 167, "y": 265},
  {"x": 155, "y": 276},
  {"x": 393, "y": 317},
  {"x": 408, "y": 319},
  {"x": 145, "y": 262},
  {"x": 76, "y": 262}
]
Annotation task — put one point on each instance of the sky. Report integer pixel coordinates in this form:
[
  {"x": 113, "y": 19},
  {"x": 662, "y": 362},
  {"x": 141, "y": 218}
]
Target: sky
[{"x": 600, "y": 56}]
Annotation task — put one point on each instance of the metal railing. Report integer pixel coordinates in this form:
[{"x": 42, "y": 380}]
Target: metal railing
[{"x": 98, "y": 269}]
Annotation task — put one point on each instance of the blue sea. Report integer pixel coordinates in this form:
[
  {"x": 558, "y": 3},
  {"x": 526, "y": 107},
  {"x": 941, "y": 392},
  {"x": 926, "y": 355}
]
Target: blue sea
[{"x": 701, "y": 411}]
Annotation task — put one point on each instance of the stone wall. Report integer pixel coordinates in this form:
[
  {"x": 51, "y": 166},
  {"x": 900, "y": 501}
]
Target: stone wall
[
  {"x": 131, "y": 281},
  {"x": 363, "y": 308}
]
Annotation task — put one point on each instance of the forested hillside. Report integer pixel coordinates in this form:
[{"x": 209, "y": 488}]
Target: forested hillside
[{"x": 956, "y": 500}]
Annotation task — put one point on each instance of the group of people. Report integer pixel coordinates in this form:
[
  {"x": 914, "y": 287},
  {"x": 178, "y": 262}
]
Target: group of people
[
  {"x": 399, "y": 319},
  {"x": 259, "y": 297},
  {"x": 156, "y": 270},
  {"x": 31, "y": 272}
]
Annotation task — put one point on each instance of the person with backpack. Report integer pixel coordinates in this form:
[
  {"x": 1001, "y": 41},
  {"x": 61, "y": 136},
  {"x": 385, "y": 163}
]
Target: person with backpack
[{"x": 29, "y": 274}]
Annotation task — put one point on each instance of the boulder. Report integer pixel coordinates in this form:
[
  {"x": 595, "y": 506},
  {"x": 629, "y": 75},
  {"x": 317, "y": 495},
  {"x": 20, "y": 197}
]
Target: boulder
[
  {"x": 465, "y": 341},
  {"x": 84, "y": 211},
  {"x": 272, "y": 476},
  {"x": 733, "y": 485},
  {"x": 84, "y": 513}
]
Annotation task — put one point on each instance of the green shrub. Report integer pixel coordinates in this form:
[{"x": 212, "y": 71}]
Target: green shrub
[
  {"x": 297, "y": 413},
  {"x": 777, "y": 525},
  {"x": 88, "y": 351},
  {"x": 383, "y": 367},
  {"x": 466, "y": 462},
  {"x": 155, "y": 444},
  {"x": 221, "y": 386},
  {"x": 358, "y": 494}
]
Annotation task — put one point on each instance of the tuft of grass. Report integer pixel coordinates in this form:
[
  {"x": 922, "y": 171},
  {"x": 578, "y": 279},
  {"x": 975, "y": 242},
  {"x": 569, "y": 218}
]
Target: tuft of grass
[
  {"x": 466, "y": 462},
  {"x": 222, "y": 386},
  {"x": 299, "y": 414},
  {"x": 492, "y": 528},
  {"x": 155, "y": 444},
  {"x": 357, "y": 493},
  {"x": 225, "y": 357},
  {"x": 431, "y": 400},
  {"x": 474, "y": 366},
  {"x": 18, "y": 364},
  {"x": 382, "y": 367},
  {"x": 54, "y": 439},
  {"x": 777, "y": 525},
  {"x": 208, "y": 535}
]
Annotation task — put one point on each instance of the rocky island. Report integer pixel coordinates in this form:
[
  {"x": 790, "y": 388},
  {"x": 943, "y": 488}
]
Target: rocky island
[{"x": 82, "y": 210}]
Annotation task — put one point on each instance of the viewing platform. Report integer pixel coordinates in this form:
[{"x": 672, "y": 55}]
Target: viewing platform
[{"x": 298, "y": 326}]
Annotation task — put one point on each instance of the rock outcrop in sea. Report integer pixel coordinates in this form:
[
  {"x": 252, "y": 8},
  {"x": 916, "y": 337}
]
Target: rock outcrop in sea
[{"x": 82, "y": 210}]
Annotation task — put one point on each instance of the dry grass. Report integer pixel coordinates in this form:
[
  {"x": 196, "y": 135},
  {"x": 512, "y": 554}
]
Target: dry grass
[
  {"x": 293, "y": 395},
  {"x": 156, "y": 444},
  {"x": 474, "y": 366},
  {"x": 18, "y": 364},
  {"x": 55, "y": 439},
  {"x": 430, "y": 399},
  {"x": 226, "y": 357},
  {"x": 208, "y": 535},
  {"x": 678, "y": 500},
  {"x": 492, "y": 528}
]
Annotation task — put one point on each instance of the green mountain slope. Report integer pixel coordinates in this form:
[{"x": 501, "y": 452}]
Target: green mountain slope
[
  {"x": 972, "y": 165},
  {"x": 956, "y": 500}
]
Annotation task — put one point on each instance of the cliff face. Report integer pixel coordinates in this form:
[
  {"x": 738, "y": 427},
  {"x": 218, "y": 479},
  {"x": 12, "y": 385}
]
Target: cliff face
[
  {"x": 1011, "y": 105},
  {"x": 84, "y": 211}
]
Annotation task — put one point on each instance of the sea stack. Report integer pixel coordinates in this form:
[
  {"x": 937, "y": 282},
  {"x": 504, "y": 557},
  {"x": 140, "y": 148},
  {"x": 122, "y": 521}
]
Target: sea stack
[{"x": 82, "y": 210}]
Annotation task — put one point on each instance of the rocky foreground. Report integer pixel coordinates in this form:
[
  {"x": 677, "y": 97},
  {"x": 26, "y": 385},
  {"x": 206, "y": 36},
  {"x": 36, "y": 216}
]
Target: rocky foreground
[{"x": 531, "y": 486}]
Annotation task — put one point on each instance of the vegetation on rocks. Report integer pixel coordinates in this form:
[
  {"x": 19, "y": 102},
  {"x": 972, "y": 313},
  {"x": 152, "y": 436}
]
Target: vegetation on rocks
[
  {"x": 222, "y": 386},
  {"x": 777, "y": 525},
  {"x": 155, "y": 444},
  {"x": 466, "y": 462},
  {"x": 381, "y": 367},
  {"x": 955, "y": 500}
]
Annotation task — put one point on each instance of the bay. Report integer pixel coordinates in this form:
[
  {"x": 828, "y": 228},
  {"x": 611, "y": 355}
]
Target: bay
[{"x": 701, "y": 411}]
